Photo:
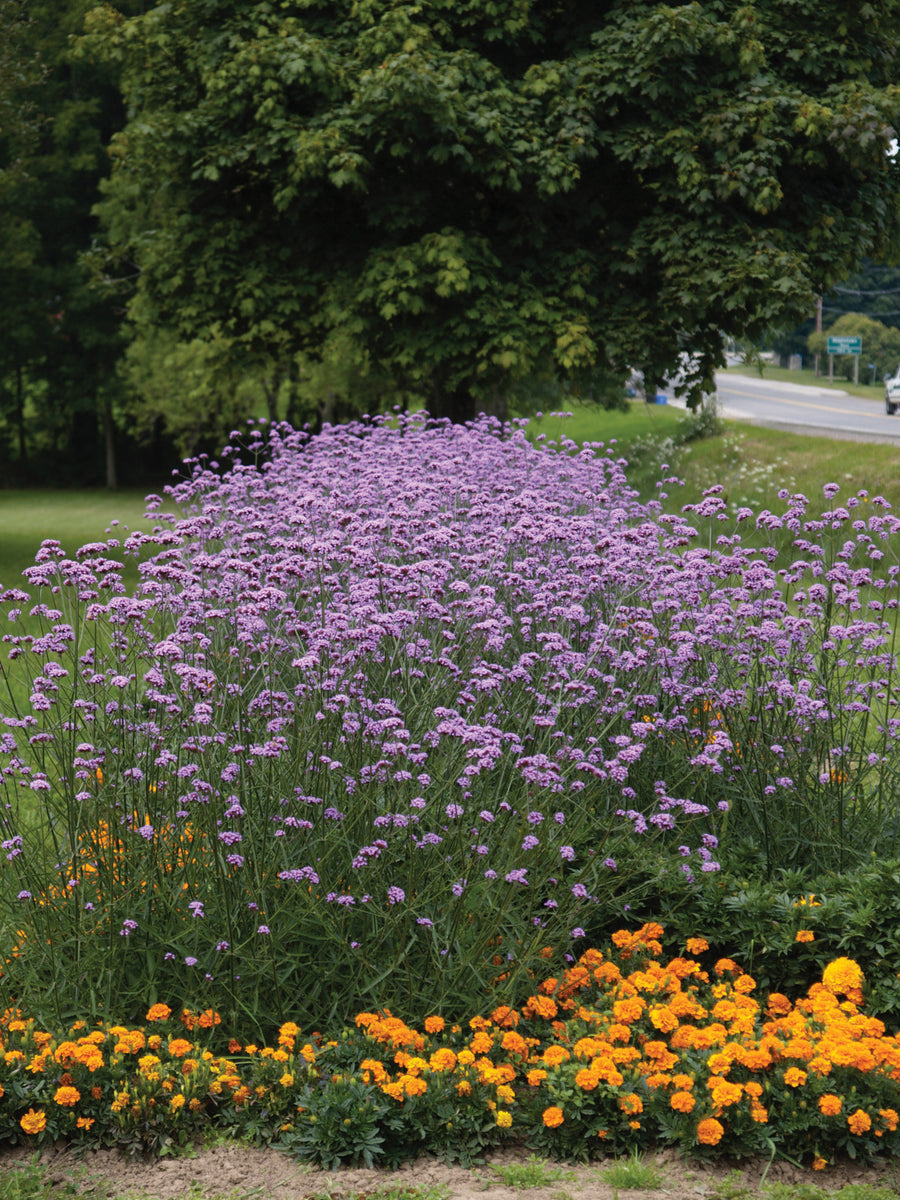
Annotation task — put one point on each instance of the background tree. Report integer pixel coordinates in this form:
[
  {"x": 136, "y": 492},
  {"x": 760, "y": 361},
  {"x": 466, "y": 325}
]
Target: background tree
[
  {"x": 465, "y": 195},
  {"x": 59, "y": 388}
]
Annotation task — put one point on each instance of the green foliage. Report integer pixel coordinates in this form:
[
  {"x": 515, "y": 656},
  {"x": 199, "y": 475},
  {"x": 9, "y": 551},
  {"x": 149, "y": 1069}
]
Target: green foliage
[
  {"x": 467, "y": 197},
  {"x": 341, "y": 1126}
]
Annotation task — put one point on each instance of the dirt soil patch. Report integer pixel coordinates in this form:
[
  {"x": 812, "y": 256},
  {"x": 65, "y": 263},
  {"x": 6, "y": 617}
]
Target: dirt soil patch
[{"x": 245, "y": 1173}]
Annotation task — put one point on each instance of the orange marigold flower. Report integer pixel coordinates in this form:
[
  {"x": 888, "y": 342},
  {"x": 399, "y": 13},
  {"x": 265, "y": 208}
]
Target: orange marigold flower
[
  {"x": 555, "y": 1056},
  {"x": 710, "y": 1131},
  {"x": 819, "y": 1164},
  {"x": 534, "y": 1078},
  {"x": 631, "y": 1103},
  {"x": 84, "y": 1122},
  {"x": 794, "y": 1077},
  {"x": 553, "y": 1117},
  {"x": 696, "y": 945},
  {"x": 726, "y": 964},
  {"x": 842, "y": 976},
  {"x": 34, "y": 1122},
  {"x": 804, "y": 935},
  {"x": 514, "y": 1043},
  {"x": 159, "y": 1012},
  {"x": 830, "y": 1105},
  {"x": 682, "y": 1102},
  {"x": 505, "y": 1016},
  {"x": 586, "y": 1079},
  {"x": 890, "y": 1118},
  {"x": 66, "y": 1097},
  {"x": 434, "y": 1024},
  {"x": 540, "y": 1006},
  {"x": 859, "y": 1121},
  {"x": 778, "y": 1005},
  {"x": 442, "y": 1060},
  {"x": 179, "y": 1047}
]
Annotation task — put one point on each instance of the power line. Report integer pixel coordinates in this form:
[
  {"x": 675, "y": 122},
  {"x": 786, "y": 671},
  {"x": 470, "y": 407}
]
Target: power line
[{"x": 874, "y": 292}]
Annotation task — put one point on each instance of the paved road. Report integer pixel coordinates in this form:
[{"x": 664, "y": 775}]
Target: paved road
[{"x": 799, "y": 408}]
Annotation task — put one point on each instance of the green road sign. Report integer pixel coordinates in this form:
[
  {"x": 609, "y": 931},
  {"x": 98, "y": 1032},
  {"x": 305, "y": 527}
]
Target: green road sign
[{"x": 845, "y": 345}]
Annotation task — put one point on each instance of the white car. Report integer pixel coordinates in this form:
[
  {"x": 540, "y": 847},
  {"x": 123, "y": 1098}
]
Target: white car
[{"x": 892, "y": 393}]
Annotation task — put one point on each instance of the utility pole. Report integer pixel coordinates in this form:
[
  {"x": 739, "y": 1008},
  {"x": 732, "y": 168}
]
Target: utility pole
[{"x": 818, "y": 327}]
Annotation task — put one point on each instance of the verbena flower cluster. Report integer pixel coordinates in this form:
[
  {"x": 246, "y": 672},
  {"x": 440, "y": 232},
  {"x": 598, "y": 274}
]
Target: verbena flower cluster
[
  {"x": 619, "y": 1050},
  {"x": 393, "y": 710}
]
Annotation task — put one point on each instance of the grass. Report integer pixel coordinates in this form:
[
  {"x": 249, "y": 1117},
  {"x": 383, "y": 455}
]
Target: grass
[
  {"x": 28, "y": 516},
  {"x": 633, "y": 1173},
  {"x": 533, "y": 1173}
]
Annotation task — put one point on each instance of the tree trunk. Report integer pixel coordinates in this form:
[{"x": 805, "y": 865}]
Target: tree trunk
[
  {"x": 109, "y": 437},
  {"x": 20, "y": 418}
]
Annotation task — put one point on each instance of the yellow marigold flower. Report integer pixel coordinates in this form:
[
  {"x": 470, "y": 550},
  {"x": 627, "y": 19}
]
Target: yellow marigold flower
[
  {"x": 434, "y": 1024},
  {"x": 804, "y": 935},
  {"x": 287, "y": 1080},
  {"x": 504, "y": 1119},
  {"x": 465, "y": 1058},
  {"x": 710, "y": 1131},
  {"x": 553, "y": 1117},
  {"x": 308, "y": 1052},
  {"x": 830, "y": 1105},
  {"x": 506, "y": 1094},
  {"x": 66, "y": 1097},
  {"x": 859, "y": 1121},
  {"x": 794, "y": 1077},
  {"x": 189, "y": 1066},
  {"x": 34, "y": 1122},
  {"x": 696, "y": 945},
  {"x": 842, "y": 976},
  {"x": 464, "y": 1088},
  {"x": 682, "y": 1102},
  {"x": 176, "y": 1103}
]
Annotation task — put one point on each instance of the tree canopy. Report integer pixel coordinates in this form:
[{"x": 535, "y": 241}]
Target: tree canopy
[{"x": 457, "y": 195}]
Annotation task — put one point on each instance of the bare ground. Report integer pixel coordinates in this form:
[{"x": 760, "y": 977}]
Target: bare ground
[{"x": 245, "y": 1173}]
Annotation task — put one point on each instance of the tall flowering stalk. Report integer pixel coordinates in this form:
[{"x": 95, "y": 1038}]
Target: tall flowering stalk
[{"x": 388, "y": 713}]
